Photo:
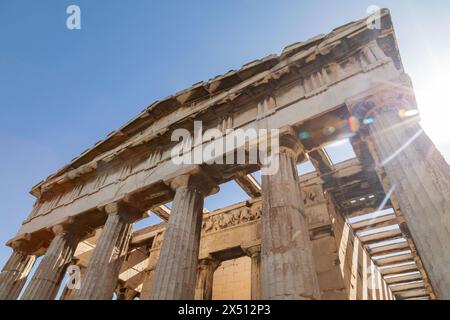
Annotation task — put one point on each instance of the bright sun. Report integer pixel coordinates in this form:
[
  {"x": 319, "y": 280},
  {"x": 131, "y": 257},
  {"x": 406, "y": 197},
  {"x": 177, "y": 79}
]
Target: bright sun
[{"x": 432, "y": 94}]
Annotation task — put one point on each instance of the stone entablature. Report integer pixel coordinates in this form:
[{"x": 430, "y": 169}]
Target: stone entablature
[{"x": 86, "y": 180}]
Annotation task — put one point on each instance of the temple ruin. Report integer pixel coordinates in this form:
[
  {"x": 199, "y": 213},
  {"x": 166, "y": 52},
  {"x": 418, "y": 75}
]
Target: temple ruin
[{"x": 373, "y": 227}]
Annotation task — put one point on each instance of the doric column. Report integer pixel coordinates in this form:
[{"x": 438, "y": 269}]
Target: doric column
[
  {"x": 149, "y": 271},
  {"x": 324, "y": 231},
  {"x": 176, "y": 271},
  {"x": 73, "y": 284},
  {"x": 287, "y": 265},
  {"x": 146, "y": 291},
  {"x": 205, "y": 276},
  {"x": 48, "y": 276},
  {"x": 409, "y": 164},
  {"x": 254, "y": 252},
  {"x": 15, "y": 272},
  {"x": 110, "y": 251}
]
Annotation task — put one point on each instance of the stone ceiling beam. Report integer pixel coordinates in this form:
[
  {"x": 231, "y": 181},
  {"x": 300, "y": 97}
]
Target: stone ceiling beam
[
  {"x": 162, "y": 211},
  {"x": 321, "y": 161},
  {"x": 249, "y": 184}
]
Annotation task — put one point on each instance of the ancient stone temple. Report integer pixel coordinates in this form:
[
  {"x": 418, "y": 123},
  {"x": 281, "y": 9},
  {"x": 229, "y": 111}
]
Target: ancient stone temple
[{"x": 375, "y": 227}]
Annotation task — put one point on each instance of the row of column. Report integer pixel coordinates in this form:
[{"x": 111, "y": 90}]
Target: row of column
[
  {"x": 15, "y": 272},
  {"x": 419, "y": 174},
  {"x": 286, "y": 261},
  {"x": 100, "y": 278},
  {"x": 287, "y": 266},
  {"x": 410, "y": 166}
]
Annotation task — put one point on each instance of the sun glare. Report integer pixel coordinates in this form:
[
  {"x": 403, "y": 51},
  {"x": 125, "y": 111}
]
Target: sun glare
[{"x": 434, "y": 105}]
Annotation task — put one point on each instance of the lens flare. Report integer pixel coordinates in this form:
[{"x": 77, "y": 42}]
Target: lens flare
[
  {"x": 329, "y": 130},
  {"x": 304, "y": 135},
  {"x": 408, "y": 113},
  {"x": 353, "y": 124},
  {"x": 368, "y": 121}
]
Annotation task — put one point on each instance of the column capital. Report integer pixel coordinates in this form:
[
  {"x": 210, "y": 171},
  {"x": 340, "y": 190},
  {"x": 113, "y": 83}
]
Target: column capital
[
  {"x": 60, "y": 229},
  {"x": 290, "y": 143},
  {"x": 127, "y": 208},
  {"x": 26, "y": 244},
  {"x": 394, "y": 99},
  {"x": 251, "y": 249},
  {"x": 20, "y": 245},
  {"x": 70, "y": 226},
  {"x": 196, "y": 179},
  {"x": 208, "y": 262}
]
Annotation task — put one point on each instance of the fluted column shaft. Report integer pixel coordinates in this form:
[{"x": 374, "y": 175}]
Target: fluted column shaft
[
  {"x": 14, "y": 274},
  {"x": 420, "y": 178},
  {"x": 151, "y": 267},
  {"x": 287, "y": 265},
  {"x": 254, "y": 252},
  {"x": 205, "y": 277},
  {"x": 73, "y": 283},
  {"x": 256, "y": 277},
  {"x": 48, "y": 276},
  {"x": 104, "y": 266},
  {"x": 176, "y": 270},
  {"x": 147, "y": 284}
]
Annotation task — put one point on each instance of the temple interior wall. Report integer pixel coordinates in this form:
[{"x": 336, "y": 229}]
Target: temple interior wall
[{"x": 232, "y": 280}]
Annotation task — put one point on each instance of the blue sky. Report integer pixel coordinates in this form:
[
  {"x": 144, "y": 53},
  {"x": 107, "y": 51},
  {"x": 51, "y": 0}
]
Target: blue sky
[{"x": 61, "y": 90}]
